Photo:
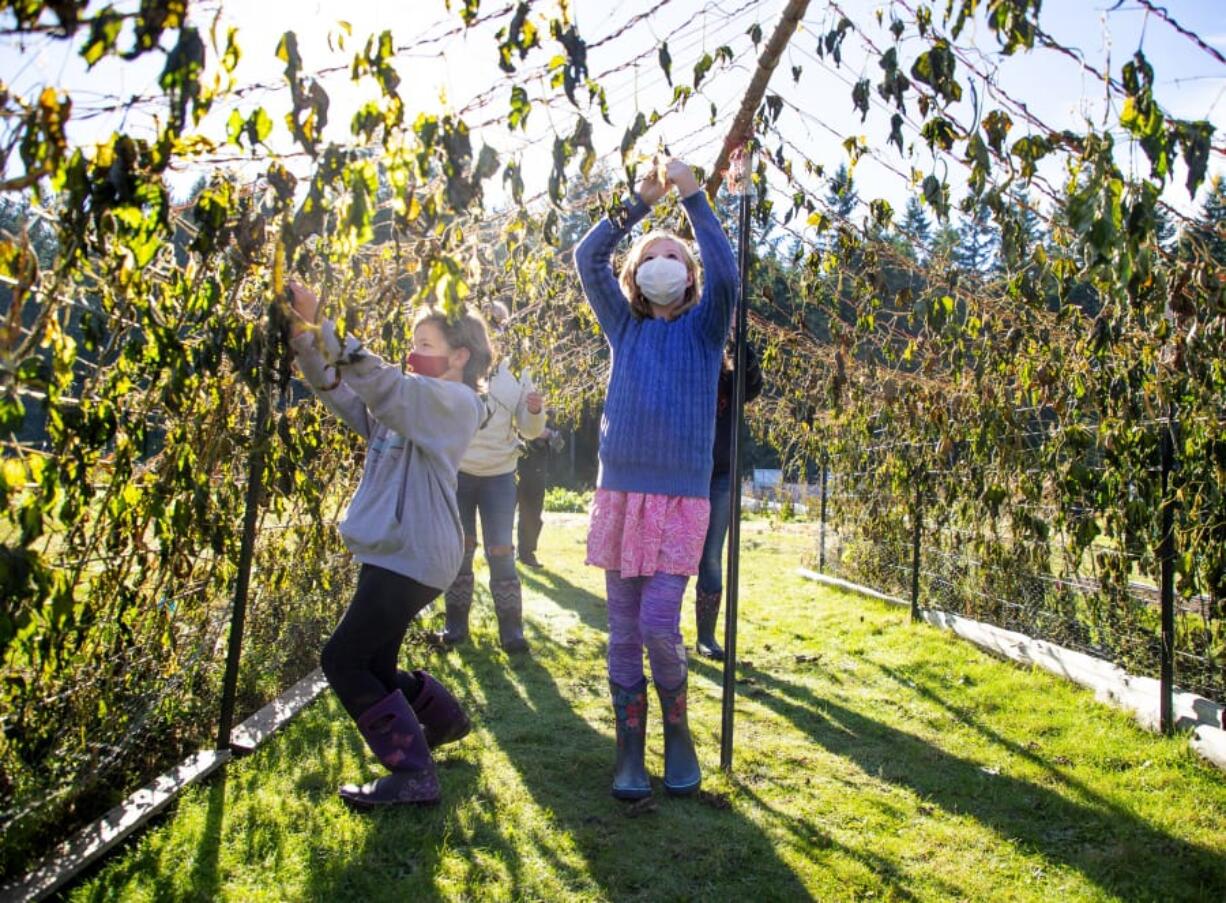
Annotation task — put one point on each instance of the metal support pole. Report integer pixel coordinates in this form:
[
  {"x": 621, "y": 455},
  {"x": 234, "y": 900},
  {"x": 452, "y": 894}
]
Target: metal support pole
[
  {"x": 821, "y": 531},
  {"x": 734, "y": 523},
  {"x": 1166, "y": 554},
  {"x": 238, "y": 615},
  {"x": 916, "y": 526}
]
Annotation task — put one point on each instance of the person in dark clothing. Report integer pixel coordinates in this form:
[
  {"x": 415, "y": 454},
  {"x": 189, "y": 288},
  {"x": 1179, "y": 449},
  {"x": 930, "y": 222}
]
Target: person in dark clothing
[
  {"x": 533, "y": 474},
  {"x": 710, "y": 587}
]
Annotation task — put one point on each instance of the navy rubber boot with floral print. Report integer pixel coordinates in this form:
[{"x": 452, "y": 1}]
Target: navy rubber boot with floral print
[
  {"x": 630, "y": 781},
  {"x": 682, "y": 774}
]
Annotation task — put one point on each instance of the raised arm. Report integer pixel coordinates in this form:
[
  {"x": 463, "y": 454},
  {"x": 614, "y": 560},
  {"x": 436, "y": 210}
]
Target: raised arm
[
  {"x": 324, "y": 382},
  {"x": 530, "y": 411},
  {"x": 720, "y": 277},
  {"x": 436, "y": 415},
  {"x": 593, "y": 260}
]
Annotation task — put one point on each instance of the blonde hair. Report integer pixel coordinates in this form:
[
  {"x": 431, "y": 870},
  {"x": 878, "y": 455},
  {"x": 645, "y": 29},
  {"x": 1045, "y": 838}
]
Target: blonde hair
[
  {"x": 639, "y": 305},
  {"x": 464, "y": 331}
]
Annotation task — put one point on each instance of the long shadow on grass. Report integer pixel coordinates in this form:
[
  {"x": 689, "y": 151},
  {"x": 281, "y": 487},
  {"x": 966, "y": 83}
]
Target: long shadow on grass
[
  {"x": 683, "y": 849},
  {"x": 106, "y": 881},
  {"x": 913, "y": 682},
  {"x": 1108, "y": 844},
  {"x": 590, "y": 608},
  {"x": 205, "y": 878},
  {"x": 884, "y": 870}
]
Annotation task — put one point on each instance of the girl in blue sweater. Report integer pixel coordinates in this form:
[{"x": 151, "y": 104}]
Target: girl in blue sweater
[{"x": 666, "y": 330}]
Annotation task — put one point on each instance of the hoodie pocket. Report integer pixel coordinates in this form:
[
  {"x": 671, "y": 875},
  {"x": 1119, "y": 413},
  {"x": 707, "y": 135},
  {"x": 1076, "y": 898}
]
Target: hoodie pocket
[{"x": 372, "y": 521}]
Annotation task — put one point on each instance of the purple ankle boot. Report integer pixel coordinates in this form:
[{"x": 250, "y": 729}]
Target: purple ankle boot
[
  {"x": 439, "y": 713},
  {"x": 392, "y": 732}
]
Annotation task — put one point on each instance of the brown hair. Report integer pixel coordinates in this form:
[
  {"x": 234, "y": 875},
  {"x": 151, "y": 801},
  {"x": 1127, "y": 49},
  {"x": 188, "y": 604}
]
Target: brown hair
[
  {"x": 639, "y": 305},
  {"x": 464, "y": 331}
]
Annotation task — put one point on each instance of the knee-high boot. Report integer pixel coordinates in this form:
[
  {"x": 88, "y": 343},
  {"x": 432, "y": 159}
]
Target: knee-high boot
[
  {"x": 630, "y": 781},
  {"x": 706, "y": 615},
  {"x": 682, "y": 773},
  {"x": 394, "y": 735},
  {"x": 509, "y": 607},
  {"x": 442, "y": 718},
  {"x": 459, "y": 602}
]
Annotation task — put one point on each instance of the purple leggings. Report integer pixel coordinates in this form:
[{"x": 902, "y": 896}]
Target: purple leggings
[{"x": 646, "y": 611}]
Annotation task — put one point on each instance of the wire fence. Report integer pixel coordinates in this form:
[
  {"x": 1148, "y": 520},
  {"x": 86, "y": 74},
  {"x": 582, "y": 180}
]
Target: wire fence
[
  {"x": 919, "y": 540},
  {"x": 121, "y": 671}
]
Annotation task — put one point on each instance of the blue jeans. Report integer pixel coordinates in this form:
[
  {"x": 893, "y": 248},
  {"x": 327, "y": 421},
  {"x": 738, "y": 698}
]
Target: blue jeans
[
  {"x": 494, "y": 497},
  {"x": 711, "y": 566}
]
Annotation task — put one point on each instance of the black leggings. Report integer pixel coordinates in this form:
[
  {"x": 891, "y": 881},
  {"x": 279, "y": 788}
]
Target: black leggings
[{"x": 360, "y": 657}]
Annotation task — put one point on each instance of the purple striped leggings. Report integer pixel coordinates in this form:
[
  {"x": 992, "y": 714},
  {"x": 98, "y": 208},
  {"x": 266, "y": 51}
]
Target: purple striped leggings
[{"x": 646, "y": 611}]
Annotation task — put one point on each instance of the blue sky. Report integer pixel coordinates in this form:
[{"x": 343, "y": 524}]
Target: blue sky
[{"x": 449, "y": 73}]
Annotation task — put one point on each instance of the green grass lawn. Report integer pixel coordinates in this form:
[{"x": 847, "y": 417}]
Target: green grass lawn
[{"x": 874, "y": 759}]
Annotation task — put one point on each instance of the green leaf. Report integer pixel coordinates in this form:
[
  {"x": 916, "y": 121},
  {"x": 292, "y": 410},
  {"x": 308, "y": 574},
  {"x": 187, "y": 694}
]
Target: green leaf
[
  {"x": 234, "y": 128},
  {"x": 1030, "y": 150},
  {"x": 859, "y": 97},
  {"x": 666, "y": 63},
  {"x": 939, "y": 133},
  {"x": 520, "y": 108},
  {"x": 935, "y": 67},
  {"x": 487, "y": 163},
  {"x": 259, "y": 126},
  {"x": 936, "y": 195},
  {"x": 636, "y": 131},
  {"x": 997, "y": 124},
  {"x": 895, "y": 138},
  {"x": 701, "y": 68},
  {"x": 103, "y": 35},
  {"x": 882, "y": 212},
  {"x": 1195, "y": 142}
]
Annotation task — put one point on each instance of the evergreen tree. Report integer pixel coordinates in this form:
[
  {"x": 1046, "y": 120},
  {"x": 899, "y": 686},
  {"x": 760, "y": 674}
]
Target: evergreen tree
[
  {"x": 1208, "y": 234},
  {"x": 1168, "y": 235},
  {"x": 915, "y": 232},
  {"x": 842, "y": 196},
  {"x": 977, "y": 240},
  {"x": 945, "y": 243}
]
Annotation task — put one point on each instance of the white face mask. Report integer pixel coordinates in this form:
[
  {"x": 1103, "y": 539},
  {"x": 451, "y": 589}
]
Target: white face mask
[{"x": 662, "y": 280}]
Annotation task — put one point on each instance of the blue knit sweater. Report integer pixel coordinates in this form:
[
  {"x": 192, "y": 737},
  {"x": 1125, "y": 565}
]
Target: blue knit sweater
[{"x": 658, "y": 424}]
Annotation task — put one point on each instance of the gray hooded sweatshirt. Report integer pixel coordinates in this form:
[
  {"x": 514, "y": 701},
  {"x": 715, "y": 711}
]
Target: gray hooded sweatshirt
[{"x": 404, "y": 515}]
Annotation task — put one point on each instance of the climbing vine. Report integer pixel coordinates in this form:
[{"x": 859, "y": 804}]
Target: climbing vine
[{"x": 1026, "y": 400}]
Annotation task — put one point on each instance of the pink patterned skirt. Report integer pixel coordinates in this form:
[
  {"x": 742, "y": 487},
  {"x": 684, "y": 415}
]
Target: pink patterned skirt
[{"x": 642, "y": 534}]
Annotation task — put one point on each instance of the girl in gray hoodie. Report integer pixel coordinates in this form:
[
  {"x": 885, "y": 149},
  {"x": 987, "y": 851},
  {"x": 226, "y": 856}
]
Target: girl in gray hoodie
[{"x": 402, "y": 525}]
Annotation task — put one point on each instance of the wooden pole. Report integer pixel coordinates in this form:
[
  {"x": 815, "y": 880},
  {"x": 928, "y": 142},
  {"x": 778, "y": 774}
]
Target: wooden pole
[{"x": 742, "y": 125}]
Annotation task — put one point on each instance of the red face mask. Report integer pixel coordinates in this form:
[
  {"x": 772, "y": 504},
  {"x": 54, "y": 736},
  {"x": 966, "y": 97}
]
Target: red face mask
[{"x": 428, "y": 364}]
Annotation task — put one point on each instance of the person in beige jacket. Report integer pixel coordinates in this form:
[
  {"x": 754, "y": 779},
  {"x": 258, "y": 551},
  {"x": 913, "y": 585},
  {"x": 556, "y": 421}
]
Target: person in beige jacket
[{"x": 513, "y": 410}]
